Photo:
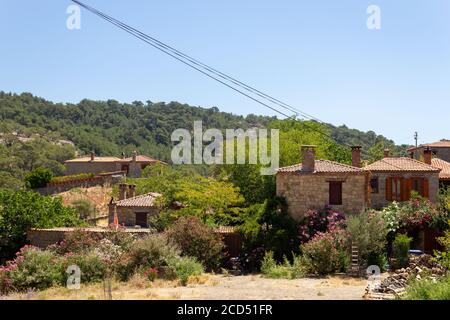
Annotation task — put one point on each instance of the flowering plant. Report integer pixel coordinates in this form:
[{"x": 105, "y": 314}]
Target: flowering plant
[
  {"x": 319, "y": 221},
  {"x": 151, "y": 274}
]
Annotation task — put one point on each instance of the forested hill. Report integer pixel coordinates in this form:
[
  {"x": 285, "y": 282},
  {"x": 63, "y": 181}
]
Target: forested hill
[{"x": 110, "y": 127}]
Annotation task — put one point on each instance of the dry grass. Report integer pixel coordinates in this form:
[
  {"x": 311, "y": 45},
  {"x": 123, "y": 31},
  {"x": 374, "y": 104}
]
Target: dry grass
[{"x": 209, "y": 286}]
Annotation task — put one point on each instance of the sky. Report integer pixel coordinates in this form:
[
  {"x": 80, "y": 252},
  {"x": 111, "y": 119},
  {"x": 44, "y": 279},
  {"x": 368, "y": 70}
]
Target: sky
[{"x": 318, "y": 56}]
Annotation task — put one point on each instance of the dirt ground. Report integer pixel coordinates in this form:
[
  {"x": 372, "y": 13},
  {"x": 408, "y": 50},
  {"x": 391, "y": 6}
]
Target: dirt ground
[{"x": 216, "y": 287}]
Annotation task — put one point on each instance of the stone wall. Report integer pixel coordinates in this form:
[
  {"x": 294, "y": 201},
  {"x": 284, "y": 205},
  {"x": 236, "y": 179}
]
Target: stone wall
[
  {"x": 91, "y": 167},
  {"x": 441, "y": 153},
  {"x": 42, "y": 238},
  {"x": 311, "y": 191},
  {"x": 378, "y": 200}
]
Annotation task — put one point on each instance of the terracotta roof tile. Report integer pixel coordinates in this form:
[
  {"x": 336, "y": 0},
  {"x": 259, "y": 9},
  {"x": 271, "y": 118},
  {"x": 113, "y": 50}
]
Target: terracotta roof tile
[
  {"x": 444, "y": 166},
  {"x": 139, "y": 158},
  {"x": 400, "y": 165},
  {"x": 324, "y": 166},
  {"x": 96, "y": 159},
  {"x": 437, "y": 144},
  {"x": 145, "y": 200}
]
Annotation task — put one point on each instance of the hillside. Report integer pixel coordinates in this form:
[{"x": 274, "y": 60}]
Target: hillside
[{"x": 110, "y": 127}]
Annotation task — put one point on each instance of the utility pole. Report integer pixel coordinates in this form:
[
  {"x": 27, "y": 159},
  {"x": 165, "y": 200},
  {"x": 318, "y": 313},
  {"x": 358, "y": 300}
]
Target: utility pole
[{"x": 416, "y": 137}]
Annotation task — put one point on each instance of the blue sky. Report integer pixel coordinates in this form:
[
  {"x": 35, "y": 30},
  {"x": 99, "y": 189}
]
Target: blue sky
[{"x": 316, "y": 55}]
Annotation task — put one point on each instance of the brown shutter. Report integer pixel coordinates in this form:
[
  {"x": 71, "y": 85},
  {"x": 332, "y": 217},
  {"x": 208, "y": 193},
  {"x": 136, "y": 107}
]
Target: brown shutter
[
  {"x": 335, "y": 193},
  {"x": 409, "y": 187},
  {"x": 426, "y": 188},
  {"x": 389, "y": 189},
  {"x": 406, "y": 194}
]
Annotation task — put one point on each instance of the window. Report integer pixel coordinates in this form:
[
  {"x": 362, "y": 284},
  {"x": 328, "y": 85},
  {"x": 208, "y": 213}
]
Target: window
[
  {"x": 374, "y": 185},
  {"x": 336, "y": 193},
  {"x": 399, "y": 188}
]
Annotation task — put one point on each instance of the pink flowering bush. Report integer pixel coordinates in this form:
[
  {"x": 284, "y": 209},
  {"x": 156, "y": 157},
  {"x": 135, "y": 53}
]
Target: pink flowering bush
[
  {"x": 416, "y": 213},
  {"x": 151, "y": 274},
  {"x": 326, "y": 252},
  {"x": 321, "y": 221},
  {"x": 31, "y": 269}
]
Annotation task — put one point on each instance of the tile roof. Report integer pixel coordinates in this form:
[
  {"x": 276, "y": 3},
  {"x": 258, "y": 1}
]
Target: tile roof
[
  {"x": 139, "y": 158},
  {"x": 444, "y": 166},
  {"x": 437, "y": 144},
  {"x": 400, "y": 165},
  {"x": 96, "y": 159},
  {"x": 145, "y": 200},
  {"x": 324, "y": 166}
]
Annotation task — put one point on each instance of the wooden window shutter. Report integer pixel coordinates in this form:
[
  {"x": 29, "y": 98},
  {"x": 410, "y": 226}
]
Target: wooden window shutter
[
  {"x": 389, "y": 189},
  {"x": 409, "y": 187},
  {"x": 335, "y": 193},
  {"x": 404, "y": 189},
  {"x": 426, "y": 188}
]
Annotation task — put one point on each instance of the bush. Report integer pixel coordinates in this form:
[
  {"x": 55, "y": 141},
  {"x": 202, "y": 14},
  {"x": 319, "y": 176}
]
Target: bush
[
  {"x": 429, "y": 290},
  {"x": 323, "y": 220},
  {"x": 286, "y": 270},
  {"x": 31, "y": 269},
  {"x": 22, "y": 210},
  {"x": 93, "y": 268},
  {"x": 323, "y": 255},
  {"x": 444, "y": 257},
  {"x": 400, "y": 250},
  {"x": 85, "y": 208},
  {"x": 196, "y": 239},
  {"x": 38, "y": 178},
  {"x": 185, "y": 267},
  {"x": 368, "y": 232},
  {"x": 154, "y": 251}
]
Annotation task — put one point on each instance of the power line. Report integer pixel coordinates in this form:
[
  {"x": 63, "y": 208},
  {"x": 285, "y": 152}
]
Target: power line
[{"x": 198, "y": 66}]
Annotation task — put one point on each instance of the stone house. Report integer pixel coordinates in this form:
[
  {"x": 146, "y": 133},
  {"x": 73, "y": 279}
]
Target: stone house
[
  {"x": 444, "y": 175},
  {"x": 440, "y": 149},
  {"x": 131, "y": 210},
  {"x": 314, "y": 184},
  {"x": 393, "y": 179},
  {"x": 133, "y": 165}
]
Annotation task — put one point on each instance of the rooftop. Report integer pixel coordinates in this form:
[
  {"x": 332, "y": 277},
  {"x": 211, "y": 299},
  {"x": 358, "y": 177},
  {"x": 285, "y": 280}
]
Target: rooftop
[
  {"x": 400, "y": 165},
  {"x": 324, "y": 166},
  {"x": 139, "y": 158},
  {"x": 96, "y": 159},
  {"x": 437, "y": 144},
  {"x": 444, "y": 166},
  {"x": 145, "y": 200}
]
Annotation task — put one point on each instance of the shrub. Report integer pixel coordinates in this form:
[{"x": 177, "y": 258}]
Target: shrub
[
  {"x": 444, "y": 257},
  {"x": 321, "y": 254},
  {"x": 368, "y": 232},
  {"x": 323, "y": 220},
  {"x": 429, "y": 290},
  {"x": 286, "y": 270},
  {"x": 415, "y": 213},
  {"x": 154, "y": 251},
  {"x": 185, "y": 267},
  {"x": 38, "y": 178},
  {"x": 84, "y": 208},
  {"x": 400, "y": 250},
  {"x": 31, "y": 269},
  {"x": 198, "y": 240},
  {"x": 93, "y": 268}
]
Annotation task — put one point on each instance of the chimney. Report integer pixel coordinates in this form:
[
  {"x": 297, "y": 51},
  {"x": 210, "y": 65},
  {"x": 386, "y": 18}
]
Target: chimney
[
  {"x": 122, "y": 191},
  {"x": 111, "y": 211},
  {"x": 427, "y": 156},
  {"x": 387, "y": 153},
  {"x": 134, "y": 155},
  {"x": 131, "y": 191},
  {"x": 309, "y": 158},
  {"x": 356, "y": 156},
  {"x": 92, "y": 155}
]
